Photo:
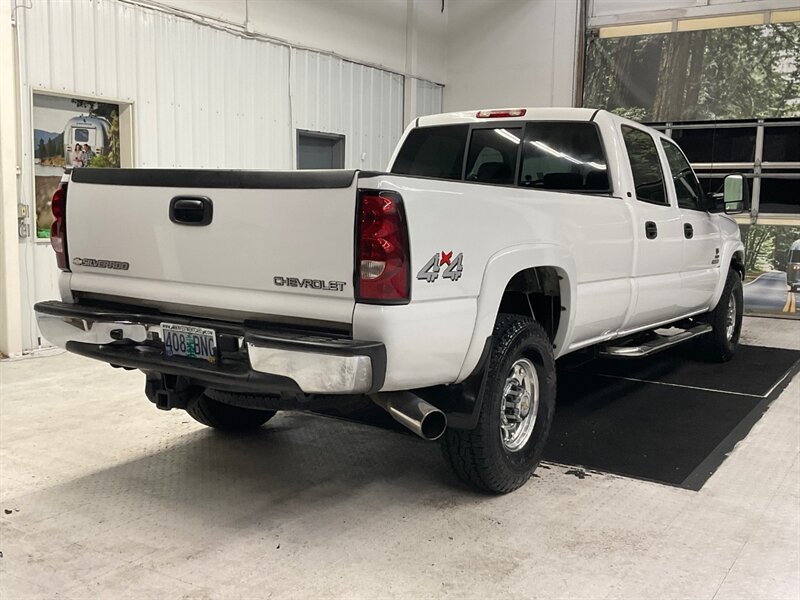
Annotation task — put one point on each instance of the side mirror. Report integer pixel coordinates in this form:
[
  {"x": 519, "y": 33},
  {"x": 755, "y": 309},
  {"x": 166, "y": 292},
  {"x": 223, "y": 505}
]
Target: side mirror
[{"x": 735, "y": 194}]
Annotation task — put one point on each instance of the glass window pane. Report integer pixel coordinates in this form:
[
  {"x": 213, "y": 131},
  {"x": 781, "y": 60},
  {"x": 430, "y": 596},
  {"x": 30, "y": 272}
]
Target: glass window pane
[
  {"x": 493, "y": 155},
  {"x": 687, "y": 189},
  {"x": 564, "y": 156},
  {"x": 433, "y": 152},
  {"x": 782, "y": 144},
  {"x": 717, "y": 145},
  {"x": 779, "y": 196},
  {"x": 645, "y": 164},
  {"x": 81, "y": 135}
]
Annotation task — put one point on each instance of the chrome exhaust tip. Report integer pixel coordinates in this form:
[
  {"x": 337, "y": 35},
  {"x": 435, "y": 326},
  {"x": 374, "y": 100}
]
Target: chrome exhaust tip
[{"x": 411, "y": 411}]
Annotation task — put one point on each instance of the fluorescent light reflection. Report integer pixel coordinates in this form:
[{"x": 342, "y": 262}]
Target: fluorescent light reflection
[{"x": 544, "y": 147}]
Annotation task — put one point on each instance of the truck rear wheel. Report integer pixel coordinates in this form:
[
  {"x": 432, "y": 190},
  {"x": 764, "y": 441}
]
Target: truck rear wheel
[
  {"x": 516, "y": 412},
  {"x": 726, "y": 322},
  {"x": 226, "y": 417}
]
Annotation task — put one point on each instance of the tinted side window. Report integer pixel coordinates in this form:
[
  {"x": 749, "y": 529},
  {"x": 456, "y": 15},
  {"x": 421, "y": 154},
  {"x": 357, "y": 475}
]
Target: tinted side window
[
  {"x": 563, "y": 156},
  {"x": 433, "y": 152},
  {"x": 687, "y": 188},
  {"x": 493, "y": 155},
  {"x": 643, "y": 156}
]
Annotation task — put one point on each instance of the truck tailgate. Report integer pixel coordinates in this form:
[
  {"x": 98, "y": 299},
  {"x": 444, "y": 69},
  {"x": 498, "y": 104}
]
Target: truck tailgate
[{"x": 278, "y": 243}]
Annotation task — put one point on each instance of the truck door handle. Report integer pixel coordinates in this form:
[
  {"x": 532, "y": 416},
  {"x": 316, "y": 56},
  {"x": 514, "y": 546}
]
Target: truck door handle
[
  {"x": 651, "y": 230},
  {"x": 191, "y": 210},
  {"x": 688, "y": 231}
]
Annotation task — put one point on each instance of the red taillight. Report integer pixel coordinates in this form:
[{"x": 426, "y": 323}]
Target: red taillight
[
  {"x": 58, "y": 230},
  {"x": 501, "y": 114},
  {"x": 382, "y": 257}
]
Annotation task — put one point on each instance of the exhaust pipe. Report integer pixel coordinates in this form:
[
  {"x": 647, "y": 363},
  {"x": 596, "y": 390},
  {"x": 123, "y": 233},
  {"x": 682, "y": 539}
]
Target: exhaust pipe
[{"x": 411, "y": 411}]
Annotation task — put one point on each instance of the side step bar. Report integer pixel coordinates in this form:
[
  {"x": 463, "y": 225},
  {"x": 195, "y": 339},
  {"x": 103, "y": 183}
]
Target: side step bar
[{"x": 656, "y": 344}]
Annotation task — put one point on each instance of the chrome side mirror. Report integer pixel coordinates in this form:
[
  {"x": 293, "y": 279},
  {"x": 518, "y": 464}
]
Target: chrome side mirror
[{"x": 735, "y": 194}]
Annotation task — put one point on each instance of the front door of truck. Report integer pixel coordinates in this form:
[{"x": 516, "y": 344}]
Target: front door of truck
[{"x": 701, "y": 235}]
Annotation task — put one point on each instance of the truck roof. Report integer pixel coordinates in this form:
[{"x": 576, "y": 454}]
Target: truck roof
[{"x": 531, "y": 114}]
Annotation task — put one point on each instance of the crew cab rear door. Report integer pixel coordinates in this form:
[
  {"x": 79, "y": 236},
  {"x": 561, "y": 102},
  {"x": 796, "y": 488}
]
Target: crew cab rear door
[{"x": 658, "y": 234}]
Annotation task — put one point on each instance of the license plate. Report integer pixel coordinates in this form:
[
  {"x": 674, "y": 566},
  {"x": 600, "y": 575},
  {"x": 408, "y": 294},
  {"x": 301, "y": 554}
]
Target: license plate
[{"x": 190, "y": 341}]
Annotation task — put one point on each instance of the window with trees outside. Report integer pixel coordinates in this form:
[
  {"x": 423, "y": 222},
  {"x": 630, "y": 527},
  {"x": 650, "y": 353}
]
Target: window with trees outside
[{"x": 730, "y": 98}]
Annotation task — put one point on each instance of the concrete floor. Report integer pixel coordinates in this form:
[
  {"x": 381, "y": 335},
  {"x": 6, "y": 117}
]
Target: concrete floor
[{"x": 104, "y": 496}]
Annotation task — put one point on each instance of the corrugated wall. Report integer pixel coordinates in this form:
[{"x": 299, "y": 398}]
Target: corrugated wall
[
  {"x": 362, "y": 103},
  {"x": 429, "y": 98},
  {"x": 202, "y": 98}
]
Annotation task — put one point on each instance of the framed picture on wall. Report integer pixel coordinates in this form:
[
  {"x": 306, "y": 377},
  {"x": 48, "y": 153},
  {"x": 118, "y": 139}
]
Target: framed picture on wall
[{"x": 71, "y": 133}]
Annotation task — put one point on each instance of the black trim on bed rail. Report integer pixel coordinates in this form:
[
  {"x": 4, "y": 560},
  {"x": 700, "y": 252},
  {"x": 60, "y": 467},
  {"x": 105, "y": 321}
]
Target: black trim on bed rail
[{"x": 213, "y": 178}]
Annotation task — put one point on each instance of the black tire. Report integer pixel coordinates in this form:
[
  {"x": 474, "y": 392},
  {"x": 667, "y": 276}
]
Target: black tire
[
  {"x": 479, "y": 456},
  {"x": 720, "y": 345},
  {"x": 226, "y": 417}
]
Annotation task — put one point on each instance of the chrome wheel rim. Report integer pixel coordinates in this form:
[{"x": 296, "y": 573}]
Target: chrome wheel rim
[
  {"x": 519, "y": 405},
  {"x": 730, "y": 318}
]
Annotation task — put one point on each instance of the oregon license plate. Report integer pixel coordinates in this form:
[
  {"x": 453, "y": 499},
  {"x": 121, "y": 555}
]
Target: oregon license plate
[{"x": 190, "y": 341}]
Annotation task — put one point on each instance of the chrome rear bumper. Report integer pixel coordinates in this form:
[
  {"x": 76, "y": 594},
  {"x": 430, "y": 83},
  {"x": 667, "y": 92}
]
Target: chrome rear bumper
[{"x": 256, "y": 357}]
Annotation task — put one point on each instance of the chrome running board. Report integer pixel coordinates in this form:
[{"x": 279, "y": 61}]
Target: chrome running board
[{"x": 657, "y": 344}]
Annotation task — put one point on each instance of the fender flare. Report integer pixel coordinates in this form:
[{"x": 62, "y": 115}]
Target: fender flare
[{"x": 500, "y": 268}]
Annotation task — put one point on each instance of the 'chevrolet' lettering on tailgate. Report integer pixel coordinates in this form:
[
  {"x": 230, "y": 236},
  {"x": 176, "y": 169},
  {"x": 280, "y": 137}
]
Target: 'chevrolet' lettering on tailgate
[{"x": 315, "y": 284}]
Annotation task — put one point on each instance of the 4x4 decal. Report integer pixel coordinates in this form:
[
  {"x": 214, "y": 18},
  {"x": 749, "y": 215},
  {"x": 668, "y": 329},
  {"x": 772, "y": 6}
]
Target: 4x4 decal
[{"x": 430, "y": 272}]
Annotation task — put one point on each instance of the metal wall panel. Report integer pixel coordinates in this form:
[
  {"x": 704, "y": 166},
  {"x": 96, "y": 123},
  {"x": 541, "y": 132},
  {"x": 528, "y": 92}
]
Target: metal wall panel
[
  {"x": 364, "y": 104},
  {"x": 202, "y": 98},
  {"x": 429, "y": 98}
]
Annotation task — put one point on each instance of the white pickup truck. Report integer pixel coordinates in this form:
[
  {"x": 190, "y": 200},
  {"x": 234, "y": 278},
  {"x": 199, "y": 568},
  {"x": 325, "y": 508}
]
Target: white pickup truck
[{"x": 443, "y": 289}]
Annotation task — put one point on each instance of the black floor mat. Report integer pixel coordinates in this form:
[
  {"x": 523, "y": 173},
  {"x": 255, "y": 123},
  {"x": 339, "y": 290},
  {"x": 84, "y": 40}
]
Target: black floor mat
[
  {"x": 753, "y": 370},
  {"x": 671, "y": 418}
]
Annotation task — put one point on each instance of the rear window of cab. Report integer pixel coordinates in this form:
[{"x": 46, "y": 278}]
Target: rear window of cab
[{"x": 549, "y": 155}]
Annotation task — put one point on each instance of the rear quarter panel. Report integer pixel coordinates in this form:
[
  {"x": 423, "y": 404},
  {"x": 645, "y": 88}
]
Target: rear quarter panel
[{"x": 498, "y": 230}]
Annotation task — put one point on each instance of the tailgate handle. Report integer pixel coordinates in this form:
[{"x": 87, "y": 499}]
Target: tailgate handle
[{"x": 191, "y": 210}]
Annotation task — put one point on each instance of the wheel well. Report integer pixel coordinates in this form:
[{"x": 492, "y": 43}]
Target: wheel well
[
  {"x": 737, "y": 263},
  {"x": 536, "y": 293}
]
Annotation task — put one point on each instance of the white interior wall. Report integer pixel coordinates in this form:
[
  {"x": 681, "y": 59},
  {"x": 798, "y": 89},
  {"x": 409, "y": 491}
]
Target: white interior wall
[
  {"x": 201, "y": 97},
  {"x": 429, "y": 98},
  {"x": 363, "y": 104},
  {"x": 10, "y": 275},
  {"x": 368, "y": 31},
  {"x": 505, "y": 53}
]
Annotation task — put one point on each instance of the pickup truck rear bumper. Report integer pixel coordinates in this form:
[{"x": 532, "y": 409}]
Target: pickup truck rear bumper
[{"x": 252, "y": 357}]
